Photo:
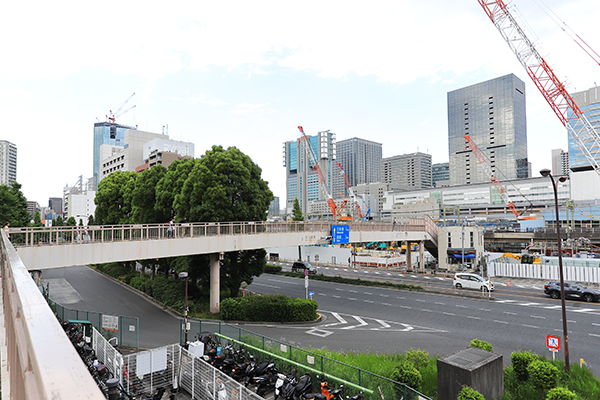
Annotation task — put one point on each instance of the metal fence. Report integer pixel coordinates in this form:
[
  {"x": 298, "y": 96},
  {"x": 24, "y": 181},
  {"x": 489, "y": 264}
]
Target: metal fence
[
  {"x": 290, "y": 358},
  {"x": 590, "y": 275},
  {"x": 119, "y": 330}
]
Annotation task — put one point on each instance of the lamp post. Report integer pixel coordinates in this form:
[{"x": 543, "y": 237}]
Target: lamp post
[
  {"x": 546, "y": 173},
  {"x": 185, "y": 311}
]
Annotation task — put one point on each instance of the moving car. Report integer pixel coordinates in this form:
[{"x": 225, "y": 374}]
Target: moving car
[
  {"x": 572, "y": 291},
  {"x": 300, "y": 266},
  {"x": 472, "y": 281}
]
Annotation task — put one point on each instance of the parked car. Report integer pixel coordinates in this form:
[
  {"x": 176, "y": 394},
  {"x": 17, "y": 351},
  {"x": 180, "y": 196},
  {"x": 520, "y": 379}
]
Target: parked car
[
  {"x": 300, "y": 266},
  {"x": 472, "y": 281},
  {"x": 572, "y": 291}
]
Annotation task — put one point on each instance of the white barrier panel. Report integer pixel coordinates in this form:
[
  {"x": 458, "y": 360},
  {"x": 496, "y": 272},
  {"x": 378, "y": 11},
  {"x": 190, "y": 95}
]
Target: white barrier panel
[{"x": 589, "y": 275}]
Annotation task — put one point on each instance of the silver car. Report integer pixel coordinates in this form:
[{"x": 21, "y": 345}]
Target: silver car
[{"x": 464, "y": 280}]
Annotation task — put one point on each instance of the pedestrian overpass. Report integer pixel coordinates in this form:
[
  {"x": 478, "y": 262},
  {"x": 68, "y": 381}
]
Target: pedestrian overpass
[{"x": 38, "y": 360}]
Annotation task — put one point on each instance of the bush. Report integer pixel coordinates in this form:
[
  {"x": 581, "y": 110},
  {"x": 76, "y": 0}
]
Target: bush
[
  {"x": 468, "y": 393},
  {"x": 480, "y": 344},
  {"x": 419, "y": 358},
  {"x": 273, "y": 308},
  {"x": 407, "y": 373},
  {"x": 542, "y": 374},
  {"x": 560, "y": 393},
  {"x": 272, "y": 269},
  {"x": 520, "y": 361}
]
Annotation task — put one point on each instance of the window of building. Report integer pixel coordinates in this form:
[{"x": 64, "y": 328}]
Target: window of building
[
  {"x": 449, "y": 239},
  {"x": 471, "y": 239}
]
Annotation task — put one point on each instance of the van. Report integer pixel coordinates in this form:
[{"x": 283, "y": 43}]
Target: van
[
  {"x": 463, "y": 280},
  {"x": 301, "y": 266}
]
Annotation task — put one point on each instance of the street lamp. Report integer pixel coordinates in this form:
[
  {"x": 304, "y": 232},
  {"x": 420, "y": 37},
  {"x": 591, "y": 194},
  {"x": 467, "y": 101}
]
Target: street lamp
[
  {"x": 546, "y": 173},
  {"x": 185, "y": 311}
]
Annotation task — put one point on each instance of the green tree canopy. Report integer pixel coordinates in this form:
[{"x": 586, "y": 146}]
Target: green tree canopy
[
  {"x": 37, "y": 219},
  {"x": 169, "y": 187},
  {"x": 113, "y": 198},
  {"x": 297, "y": 211},
  {"x": 13, "y": 205},
  {"x": 71, "y": 221},
  {"x": 144, "y": 196},
  {"x": 224, "y": 185}
]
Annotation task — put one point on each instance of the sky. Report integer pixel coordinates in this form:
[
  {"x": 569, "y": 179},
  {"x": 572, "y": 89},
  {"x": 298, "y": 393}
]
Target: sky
[{"x": 248, "y": 73}]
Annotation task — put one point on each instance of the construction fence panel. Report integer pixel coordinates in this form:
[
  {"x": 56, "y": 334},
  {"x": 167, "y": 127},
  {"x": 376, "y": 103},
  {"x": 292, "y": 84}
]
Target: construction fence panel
[{"x": 583, "y": 274}]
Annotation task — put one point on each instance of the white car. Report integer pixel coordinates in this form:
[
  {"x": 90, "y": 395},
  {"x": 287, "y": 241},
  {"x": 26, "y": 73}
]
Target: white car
[{"x": 463, "y": 280}]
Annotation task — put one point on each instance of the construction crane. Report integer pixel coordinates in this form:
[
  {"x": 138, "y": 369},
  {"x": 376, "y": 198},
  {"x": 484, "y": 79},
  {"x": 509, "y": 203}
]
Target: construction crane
[
  {"x": 553, "y": 90},
  {"x": 350, "y": 191},
  {"x": 112, "y": 116},
  {"x": 320, "y": 177},
  {"x": 491, "y": 175}
]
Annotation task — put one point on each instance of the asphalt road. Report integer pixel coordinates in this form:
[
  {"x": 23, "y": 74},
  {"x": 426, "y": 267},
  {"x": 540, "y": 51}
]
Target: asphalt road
[{"x": 369, "y": 319}]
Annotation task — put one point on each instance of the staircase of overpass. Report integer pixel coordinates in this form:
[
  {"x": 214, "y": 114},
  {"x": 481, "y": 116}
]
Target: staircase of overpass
[{"x": 33, "y": 369}]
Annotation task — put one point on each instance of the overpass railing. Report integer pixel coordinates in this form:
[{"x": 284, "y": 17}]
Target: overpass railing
[
  {"x": 41, "y": 362},
  {"x": 57, "y": 235}
]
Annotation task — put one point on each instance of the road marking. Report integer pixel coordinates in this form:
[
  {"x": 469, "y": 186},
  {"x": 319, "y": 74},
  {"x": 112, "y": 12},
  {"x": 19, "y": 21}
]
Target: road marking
[
  {"x": 384, "y": 295},
  {"x": 593, "y": 334},
  {"x": 352, "y": 291},
  {"x": 368, "y": 293},
  {"x": 529, "y": 304},
  {"x": 553, "y": 307},
  {"x": 421, "y": 301},
  {"x": 484, "y": 309},
  {"x": 319, "y": 332},
  {"x": 595, "y": 324},
  {"x": 500, "y": 322},
  {"x": 368, "y": 301},
  {"x": 510, "y": 313},
  {"x": 383, "y": 323},
  {"x": 376, "y": 273},
  {"x": 440, "y": 303},
  {"x": 448, "y": 313},
  {"x": 401, "y": 298},
  {"x": 321, "y": 294},
  {"x": 506, "y": 301},
  {"x": 262, "y": 284},
  {"x": 426, "y": 277},
  {"x": 361, "y": 322},
  {"x": 341, "y": 321},
  {"x": 386, "y": 304},
  {"x": 413, "y": 276},
  {"x": 336, "y": 297},
  {"x": 469, "y": 316},
  {"x": 341, "y": 290},
  {"x": 537, "y": 316},
  {"x": 461, "y": 306},
  {"x": 351, "y": 298},
  {"x": 440, "y": 278},
  {"x": 583, "y": 310},
  {"x": 424, "y": 309},
  {"x": 407, "y": 307},
  {"x": 530, "y": 326}
]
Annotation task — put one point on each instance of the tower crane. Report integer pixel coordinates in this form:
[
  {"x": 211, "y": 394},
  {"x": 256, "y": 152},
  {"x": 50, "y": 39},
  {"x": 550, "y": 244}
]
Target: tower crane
[
  {"x": 553, "y": 90},
  {"x": 491, "y": 175},
  {"x": 112, "y": 116},
  {"x": 320, "y": 177}
]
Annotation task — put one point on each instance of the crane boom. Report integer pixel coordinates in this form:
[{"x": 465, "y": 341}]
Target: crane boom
[
  {"x": 320, "y": 177},
  {"x": 491, "y": 175},
  {"x": 553, "y": 90}
]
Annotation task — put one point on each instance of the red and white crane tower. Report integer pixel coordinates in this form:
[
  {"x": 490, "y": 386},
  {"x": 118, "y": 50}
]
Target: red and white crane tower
[
  {"x": 320, "y": 176},
  {"x": 553, "y": 90}
]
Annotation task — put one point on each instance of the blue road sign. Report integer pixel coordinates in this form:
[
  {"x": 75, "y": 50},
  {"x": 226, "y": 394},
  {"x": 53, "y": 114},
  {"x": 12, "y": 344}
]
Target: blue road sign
[{"x": 340, "y": 234}]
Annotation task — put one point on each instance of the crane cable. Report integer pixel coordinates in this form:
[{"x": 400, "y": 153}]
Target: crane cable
[{"x": 572, "y": 34}]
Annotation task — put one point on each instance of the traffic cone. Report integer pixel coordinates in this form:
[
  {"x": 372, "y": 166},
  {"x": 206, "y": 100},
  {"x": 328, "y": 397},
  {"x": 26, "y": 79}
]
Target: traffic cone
[{"x": 508, "y": 282}]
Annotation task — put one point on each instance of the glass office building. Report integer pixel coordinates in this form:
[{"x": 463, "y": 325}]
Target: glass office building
[
  {"x": 106, "y": 133},
  {"x": 493, "y": 115},
  {"x": 361, "y": 161},
  {"x": 588, "y": 102}
]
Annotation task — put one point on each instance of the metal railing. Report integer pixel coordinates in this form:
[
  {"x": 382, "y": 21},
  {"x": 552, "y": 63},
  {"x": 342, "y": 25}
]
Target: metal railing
[
  {"x": 57, "y": 235},
  {"x": 41, "y": 362}
]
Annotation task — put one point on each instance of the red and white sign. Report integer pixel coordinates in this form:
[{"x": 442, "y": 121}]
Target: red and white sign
[{"x": 553, "y": 342}]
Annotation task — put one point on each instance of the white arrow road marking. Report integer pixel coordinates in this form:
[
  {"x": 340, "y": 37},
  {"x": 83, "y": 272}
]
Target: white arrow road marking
[
  {"x": 361, "y": 322},
  {"x": 341, "y": 321},
  {"x": 383, "y": 324}
]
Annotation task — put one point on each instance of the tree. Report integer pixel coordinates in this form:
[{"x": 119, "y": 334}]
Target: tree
[
  {"x": 144, "y": 196},
  {"x": 409, "y": 375},
  {"x": 13, "y": 206},
  {"x": 170, "y": 186},
  {"x": 297, "y": 211},
  {"x": 59, "y": 221},
  {"x": 542, "y": 374},
  {"x": 241, "y": 266},
  {"x": 71, "y": 221},
  {"x": 468, "y": 393},
  {"x": 113, "y": 198},
  {"x": 37, "y": 219},
  {"x": 520, "y": 361},
  {"x": 224, "y": 185},
  {"x": 90, "y": 220}
]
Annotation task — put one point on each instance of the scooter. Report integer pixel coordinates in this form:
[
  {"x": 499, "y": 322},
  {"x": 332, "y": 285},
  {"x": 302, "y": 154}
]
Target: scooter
[
  {"x": 281, "y": 382},
  {"x": 295, "y": 391},
  {"x": 265, "y": 381},
  {"x": 255, "y": 370}
]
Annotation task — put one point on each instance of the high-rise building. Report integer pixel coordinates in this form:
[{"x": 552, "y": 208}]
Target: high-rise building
[
  {"x": 407, "y": 169},
  {"x": 361, "y": 161},
  {"x": 588, "y": 102},
  {"x": 55, "y": 204},
  {"x": 301, "y": 180},
  {"x": 440, "y": 174},
  {"x": 8, "y": 163},
  {"x": 493, "y": 115},
  {"x": 560, "y": 162},
  {"x": 106, "y": 133}
]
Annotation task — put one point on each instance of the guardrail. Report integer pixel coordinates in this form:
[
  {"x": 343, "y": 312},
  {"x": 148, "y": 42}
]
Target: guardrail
[
  {"x": 41, "y": 362},
  {"x": 57, "y": 235}
]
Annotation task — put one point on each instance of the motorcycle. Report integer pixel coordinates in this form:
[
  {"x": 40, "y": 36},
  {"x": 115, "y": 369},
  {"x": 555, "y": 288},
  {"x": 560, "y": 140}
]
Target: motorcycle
[{"x": 295, "y": 389}]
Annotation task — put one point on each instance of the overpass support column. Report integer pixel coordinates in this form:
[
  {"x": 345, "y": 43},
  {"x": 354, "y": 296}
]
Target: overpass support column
[
  {"x": 408, "y": 256},
  {"x": 422, "y": 256},
  {"x": 215, "y": 282}
]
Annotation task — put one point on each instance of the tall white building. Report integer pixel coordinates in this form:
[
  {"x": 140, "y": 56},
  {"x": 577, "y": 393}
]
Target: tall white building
[
  {"x": 8, "y": 162},
  {"x": 560, "y": 162},
  {"x": 412, "y": 169},
  {"x": 78, "y": 201}
]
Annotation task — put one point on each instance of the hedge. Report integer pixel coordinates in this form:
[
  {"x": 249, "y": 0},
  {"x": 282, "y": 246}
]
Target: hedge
[{"x": 272, "y": 308}]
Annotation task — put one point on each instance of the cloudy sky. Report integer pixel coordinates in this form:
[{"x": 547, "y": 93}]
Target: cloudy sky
[{"x": 247, "y": 73}]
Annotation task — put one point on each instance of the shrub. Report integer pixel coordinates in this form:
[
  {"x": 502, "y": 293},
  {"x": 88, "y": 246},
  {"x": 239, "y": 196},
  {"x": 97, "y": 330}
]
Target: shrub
[
  {"x": 560, "y": 393},
  {"x": 520, "y": 361},
  {"x": 273, "y": 308},
  {"x": 407, "y": 373},
  {"x": 468, "y": 393},
  {"x": 542, "y": 374},
  {"x": 272, "y": 269},
  {"x": 419, "y": 358},
  {"x": 480, "y": 344}
]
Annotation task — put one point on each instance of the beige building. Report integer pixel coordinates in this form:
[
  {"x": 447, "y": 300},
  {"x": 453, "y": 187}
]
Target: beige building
[
  {"x": 454, "y": 241},
  {"x": 115, "y": 158}
]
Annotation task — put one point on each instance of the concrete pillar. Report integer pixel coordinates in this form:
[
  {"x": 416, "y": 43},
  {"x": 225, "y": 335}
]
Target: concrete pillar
[
  {"x": 422, "y": 256},
  {"x": 408, "y": 257},
  {"x": 215, "y": 282}
]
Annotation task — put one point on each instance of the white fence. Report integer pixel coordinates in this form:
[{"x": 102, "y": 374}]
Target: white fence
[
  {"x": 590, "y": 275},
  {"x": 146, "y": 371}
]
